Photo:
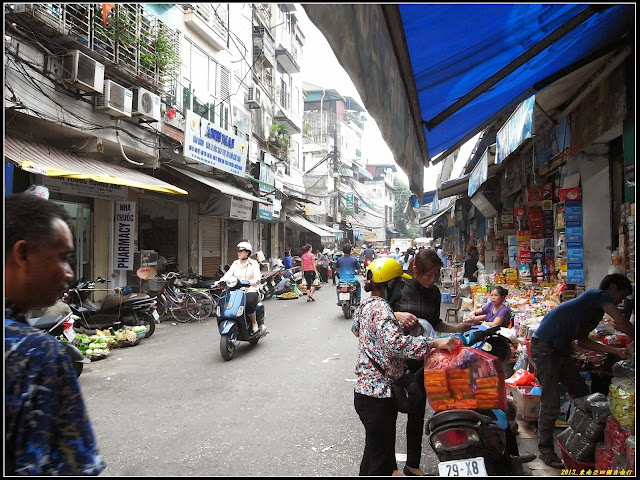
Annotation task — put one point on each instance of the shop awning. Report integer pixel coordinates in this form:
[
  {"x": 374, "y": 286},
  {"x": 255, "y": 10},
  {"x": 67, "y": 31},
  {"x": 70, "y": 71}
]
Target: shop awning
[
  {"x": 329, "y": 229},
  {"x": 53, "y": 162},
  {"x": 221, "y": 186},
  {"x": 433, "y": 75},
  {"x": 434, "y": 218},
  {"x": 310, "y": 226}
]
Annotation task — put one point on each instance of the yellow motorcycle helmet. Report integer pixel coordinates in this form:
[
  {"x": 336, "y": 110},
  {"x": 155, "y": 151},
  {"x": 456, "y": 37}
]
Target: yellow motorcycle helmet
[{"x": 382, "y": 270}]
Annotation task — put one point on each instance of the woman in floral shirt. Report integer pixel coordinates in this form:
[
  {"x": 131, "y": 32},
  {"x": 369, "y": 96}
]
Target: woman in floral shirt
[{"x": 380, "y": 336}]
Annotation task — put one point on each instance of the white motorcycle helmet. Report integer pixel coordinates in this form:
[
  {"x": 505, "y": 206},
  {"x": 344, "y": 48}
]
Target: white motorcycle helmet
[{"x": 245, "y": 246}]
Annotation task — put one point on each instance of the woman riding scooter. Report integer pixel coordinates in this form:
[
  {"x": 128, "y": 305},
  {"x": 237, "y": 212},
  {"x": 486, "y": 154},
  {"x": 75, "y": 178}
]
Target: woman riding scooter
[{"x": 248, "y": 269}]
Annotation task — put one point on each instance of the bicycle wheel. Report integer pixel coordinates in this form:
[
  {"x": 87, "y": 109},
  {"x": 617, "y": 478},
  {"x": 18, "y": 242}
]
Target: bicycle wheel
[
  {"x": 199, "y": 305},
  {"x": 178, "y": 308},
  {"x": 162, "y": 305}
]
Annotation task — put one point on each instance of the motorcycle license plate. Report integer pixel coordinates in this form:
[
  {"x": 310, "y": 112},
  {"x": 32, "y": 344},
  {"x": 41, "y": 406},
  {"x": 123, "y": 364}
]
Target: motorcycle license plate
[
  {"x": 70, "y": 333},
  {"x": 469, "y": 467},
  {"x": 155, "y": 315},
  {"x": 345, "y": 296}
]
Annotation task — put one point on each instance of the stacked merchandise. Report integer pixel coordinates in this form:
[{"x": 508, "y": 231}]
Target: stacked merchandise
[
  {"x": 627, "y": 239},
  {"x": 586, "y": 428},
  {"x": 466, "y": 378},
  {"x": 540, "y": 206},
  {"x": 574, "y": 237}
]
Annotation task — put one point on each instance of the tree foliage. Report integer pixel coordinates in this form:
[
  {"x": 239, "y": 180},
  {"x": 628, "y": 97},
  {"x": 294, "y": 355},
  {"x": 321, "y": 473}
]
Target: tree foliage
[{"x": 407, "y": 228}]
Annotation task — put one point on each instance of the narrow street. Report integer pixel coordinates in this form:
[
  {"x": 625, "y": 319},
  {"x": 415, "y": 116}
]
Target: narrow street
[{"x": 171, "y": 406}]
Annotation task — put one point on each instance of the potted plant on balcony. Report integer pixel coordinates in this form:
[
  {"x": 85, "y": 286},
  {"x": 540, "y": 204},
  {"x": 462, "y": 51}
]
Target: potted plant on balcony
[{"x": 279, "y": 140}]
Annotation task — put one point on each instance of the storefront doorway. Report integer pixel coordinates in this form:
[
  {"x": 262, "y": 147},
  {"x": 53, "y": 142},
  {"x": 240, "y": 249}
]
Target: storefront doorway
[{"x": 80, "y": 224}]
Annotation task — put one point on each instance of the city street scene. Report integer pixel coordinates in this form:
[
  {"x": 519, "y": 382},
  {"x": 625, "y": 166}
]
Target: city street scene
[{"x": 320, "y": 240}]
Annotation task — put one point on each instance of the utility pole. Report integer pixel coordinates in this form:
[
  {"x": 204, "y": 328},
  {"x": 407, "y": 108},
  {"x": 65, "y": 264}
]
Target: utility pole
[{"x": 336, "y": 175}]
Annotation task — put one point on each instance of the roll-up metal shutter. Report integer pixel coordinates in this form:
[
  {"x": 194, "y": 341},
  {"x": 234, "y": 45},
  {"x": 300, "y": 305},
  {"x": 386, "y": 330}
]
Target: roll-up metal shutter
[{"x": 211, "y": 247}]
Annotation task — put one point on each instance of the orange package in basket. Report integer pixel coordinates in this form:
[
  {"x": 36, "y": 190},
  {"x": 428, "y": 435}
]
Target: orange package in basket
[{"x": 466, "y": 379}]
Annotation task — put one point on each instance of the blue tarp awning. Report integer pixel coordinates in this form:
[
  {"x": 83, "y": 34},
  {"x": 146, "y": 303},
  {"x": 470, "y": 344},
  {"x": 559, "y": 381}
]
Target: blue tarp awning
[
  {"x": 433, "y": 75},
  {"x": 427, "y": 197}
]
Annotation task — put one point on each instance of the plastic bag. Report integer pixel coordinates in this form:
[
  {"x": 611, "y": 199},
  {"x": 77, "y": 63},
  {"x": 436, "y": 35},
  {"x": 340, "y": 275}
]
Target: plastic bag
[
  {"x": 600, "y": 411},
  {"x": 521, "y": 378},
  {"x": 565, "y": 436},
  {"x": 631, "y": 453},
  {"x": 522, "y": 360},
  {"x": 581, "y": 449},
  {"x": 603, "y": 456},
  {"x": 592, "y": 431},
  {"x": 577, "y": 420},
  {"x": 622, "y": 400},
  {"x": 624, "y": 368}
]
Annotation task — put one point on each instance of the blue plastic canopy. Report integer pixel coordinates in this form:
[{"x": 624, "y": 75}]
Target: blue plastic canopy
[
  {"x": 434, "y": 75},
  {"x": 455, "y": 48}
]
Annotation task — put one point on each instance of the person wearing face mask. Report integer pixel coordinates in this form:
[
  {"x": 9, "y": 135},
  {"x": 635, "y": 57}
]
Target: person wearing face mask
[
  {"x": 417, "y": 308},
  {"x": 381, "y": 339},
  {"x": 245, "y": 268}
]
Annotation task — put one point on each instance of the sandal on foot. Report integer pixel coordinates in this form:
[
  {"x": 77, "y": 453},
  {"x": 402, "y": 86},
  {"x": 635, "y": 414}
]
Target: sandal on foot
[
  {"x": 551, "y": 459},
  {"x": 409, "y": 473}
]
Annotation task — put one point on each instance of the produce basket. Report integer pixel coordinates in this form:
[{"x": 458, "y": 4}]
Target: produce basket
[
  {"x": 287, "y": 296},
  {"x": 156, "y": 284},
  {"x": 93, "y": 358},
  {"x": 127, "y": 343}
]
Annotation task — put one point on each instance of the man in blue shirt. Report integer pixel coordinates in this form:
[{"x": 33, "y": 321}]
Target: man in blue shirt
[
  {"x": 348, "y": 266},
  {"x": 551, "y": 350},
  {"x": 47, "y": 428}
]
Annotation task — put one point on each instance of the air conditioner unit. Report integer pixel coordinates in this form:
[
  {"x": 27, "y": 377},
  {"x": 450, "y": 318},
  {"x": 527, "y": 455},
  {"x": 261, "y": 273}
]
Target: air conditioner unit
[
  {"x": 146, "y": 104},
  {"x": 253, "y": 97},
  {"x": 116, "y": 100},
  {"x": 83, "y": 72}
]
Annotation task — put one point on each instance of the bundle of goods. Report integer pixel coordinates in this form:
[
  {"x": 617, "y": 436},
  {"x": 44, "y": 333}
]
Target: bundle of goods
[
  {"x": 613, "y": 453},
  {"x": 586, "y": 429},
  {"x": 622, "y": 397},
  {"x": 465, "y": 379}
]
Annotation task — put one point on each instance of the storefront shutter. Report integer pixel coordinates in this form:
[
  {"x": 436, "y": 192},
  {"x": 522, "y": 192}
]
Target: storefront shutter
[{"x": 211, "y": 250}]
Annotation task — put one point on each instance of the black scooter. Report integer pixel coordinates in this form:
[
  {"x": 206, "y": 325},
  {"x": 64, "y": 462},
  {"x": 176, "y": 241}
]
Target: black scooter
[
  {"x": 124, "y": 308},
  {"x": 476, "y": 442},
  {"x": 61, "y": 326}
]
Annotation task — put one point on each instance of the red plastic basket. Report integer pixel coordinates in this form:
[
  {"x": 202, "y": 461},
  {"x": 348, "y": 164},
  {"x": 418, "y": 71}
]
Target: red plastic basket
[{"x": 571, "y": 463}]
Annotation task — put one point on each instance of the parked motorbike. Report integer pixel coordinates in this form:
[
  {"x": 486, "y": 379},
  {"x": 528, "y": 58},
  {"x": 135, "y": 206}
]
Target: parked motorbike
[
  {"x": 124, "y": 308},
  {"x": 476, "y": 442},
  {"x": 233, "y": 323},
  {"x": 268, "y": 283},
  {"x": 61, "y": 327},
  {"x": 347, "y": 298}
]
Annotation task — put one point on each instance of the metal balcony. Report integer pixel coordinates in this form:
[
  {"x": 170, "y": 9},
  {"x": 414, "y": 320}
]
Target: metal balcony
[{"x": 134, "y": 45}]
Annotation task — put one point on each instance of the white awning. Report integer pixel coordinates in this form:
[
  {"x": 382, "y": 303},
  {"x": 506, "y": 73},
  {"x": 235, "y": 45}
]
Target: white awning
[
  {"x": 435, "y": 217},
  {"x": 221, "y": 186},
  {"x": 307, "y": 225},
  {"x": 53, "y": 162}
]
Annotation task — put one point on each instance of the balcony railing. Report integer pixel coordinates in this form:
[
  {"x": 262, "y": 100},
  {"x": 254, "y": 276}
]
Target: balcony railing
[{"x": 133, "y": 40}]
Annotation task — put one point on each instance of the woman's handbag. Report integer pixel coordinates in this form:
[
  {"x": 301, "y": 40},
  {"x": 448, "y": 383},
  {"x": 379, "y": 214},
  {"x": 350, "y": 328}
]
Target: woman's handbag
[{"x": 407, "y": 393}]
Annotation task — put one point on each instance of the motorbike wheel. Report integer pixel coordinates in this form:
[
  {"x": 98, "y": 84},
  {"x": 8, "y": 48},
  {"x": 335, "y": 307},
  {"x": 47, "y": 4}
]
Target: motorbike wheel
[
  {"x": 227, "y": 345},
  {"x": 199, "y": 305},
  {"x": 346, "y": 309},
  {"x": 146, "y": 320}
]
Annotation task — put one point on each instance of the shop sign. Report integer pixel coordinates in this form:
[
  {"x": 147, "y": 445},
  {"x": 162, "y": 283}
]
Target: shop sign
[
  {"x": 478, "y": 174},
  {"x": 267, "y": 178},
  {"x": 86, "y": 188},
  {"x": 240, "y": 209},
  {"x": 204, "y": 142},
  {"x": 516, "y": 130},
  {"x": 124, "y": 224},
  {"x": 349, "y": 199},
  {"x": 264, "y": 212}
]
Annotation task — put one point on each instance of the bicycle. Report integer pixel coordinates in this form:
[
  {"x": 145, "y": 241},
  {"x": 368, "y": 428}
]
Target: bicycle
[{"x": 183, "y": 304}]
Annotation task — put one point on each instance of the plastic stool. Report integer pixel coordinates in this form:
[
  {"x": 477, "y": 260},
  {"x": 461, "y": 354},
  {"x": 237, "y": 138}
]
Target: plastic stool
[{"x": 445, "y": 298}]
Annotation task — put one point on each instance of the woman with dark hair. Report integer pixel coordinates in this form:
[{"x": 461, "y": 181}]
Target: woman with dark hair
[
  {"x": 381, "y": 340},
  {"x": 418, "y": 309},
  {"x": 495, "y": 312},
  {"x": 470, "y": 271},
  {"x": 309, "y": 270}
]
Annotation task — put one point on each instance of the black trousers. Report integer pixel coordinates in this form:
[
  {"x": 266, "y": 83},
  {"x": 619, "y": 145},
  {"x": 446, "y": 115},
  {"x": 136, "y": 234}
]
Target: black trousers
[
  {"x": 378, "y": 415},
  {"x": 553, "y": 368},
  {"x": 323, "y": 273}
]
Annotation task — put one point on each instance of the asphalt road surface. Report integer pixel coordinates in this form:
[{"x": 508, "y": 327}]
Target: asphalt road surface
[{"x": 171, "y": 406}]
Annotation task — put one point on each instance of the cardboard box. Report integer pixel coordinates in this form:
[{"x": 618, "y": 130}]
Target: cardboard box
[
  {"x": 573, "y": 193},
  {"x": 527, "y": 405}
]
